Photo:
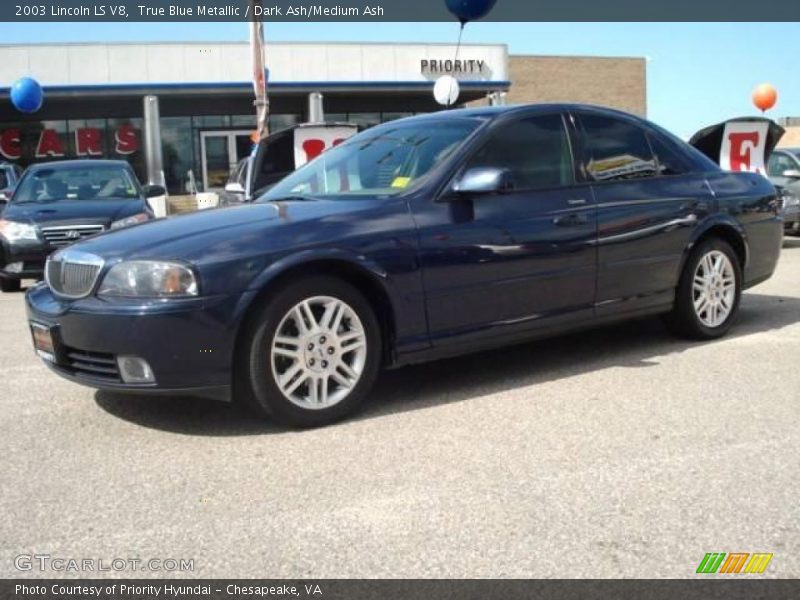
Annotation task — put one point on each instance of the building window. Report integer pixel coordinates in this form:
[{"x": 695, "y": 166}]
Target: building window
[
  {"x": 177, "y": 150},
  {"x": 212, "y": 122}
]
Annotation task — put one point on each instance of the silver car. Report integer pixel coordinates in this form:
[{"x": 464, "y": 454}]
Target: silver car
[{"x": 783, "y": 170}]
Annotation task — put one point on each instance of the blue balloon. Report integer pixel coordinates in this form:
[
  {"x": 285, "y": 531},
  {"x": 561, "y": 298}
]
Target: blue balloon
[
  {"x": 470, "y": 10},
  {"x": 27, "y": 95}
]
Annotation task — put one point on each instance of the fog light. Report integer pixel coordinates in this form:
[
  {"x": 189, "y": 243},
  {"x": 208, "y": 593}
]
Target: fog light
[
  {"x": 14, "y": 267},
  {"x": 135, "y": 370}
]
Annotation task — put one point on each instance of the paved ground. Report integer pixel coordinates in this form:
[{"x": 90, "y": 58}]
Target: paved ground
[{"x": 621, "y": 452}]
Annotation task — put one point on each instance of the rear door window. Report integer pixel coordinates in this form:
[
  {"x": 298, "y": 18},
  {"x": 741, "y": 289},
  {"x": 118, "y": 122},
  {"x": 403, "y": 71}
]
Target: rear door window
[
  {"x": 616, "y": 150},
  {"x": 669, "y": 161}
]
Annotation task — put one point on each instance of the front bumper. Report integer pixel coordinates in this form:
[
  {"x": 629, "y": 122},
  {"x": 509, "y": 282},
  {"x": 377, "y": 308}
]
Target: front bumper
[
  {"x": 188, "y": 343},
  {"x": 32, "y": 256},
  {"x": 791, "y": 218}
]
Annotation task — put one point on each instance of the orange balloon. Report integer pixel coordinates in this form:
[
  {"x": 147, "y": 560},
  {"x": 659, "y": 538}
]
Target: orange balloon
[{"x": 765, "y": 96}]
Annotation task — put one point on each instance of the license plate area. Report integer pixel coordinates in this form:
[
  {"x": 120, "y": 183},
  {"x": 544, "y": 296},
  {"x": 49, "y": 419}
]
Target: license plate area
[{"x": 44, "y": 341}]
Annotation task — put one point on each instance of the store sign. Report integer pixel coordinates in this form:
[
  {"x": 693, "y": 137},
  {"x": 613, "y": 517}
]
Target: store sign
[
  {"x": 451, "y": 67},
  {"x": 310, "y": 142},
  {"x": 744, "y": 146},
  {"x": 50, "y": 144}
]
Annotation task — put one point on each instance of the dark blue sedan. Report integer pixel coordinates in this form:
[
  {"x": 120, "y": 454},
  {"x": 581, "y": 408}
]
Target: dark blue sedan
[{"x": 421, "y": 238}]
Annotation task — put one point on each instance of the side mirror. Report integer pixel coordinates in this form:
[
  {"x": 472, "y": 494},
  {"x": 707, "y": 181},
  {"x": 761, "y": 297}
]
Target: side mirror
[
  {"x": 234, "y": 187},
  {"x": 154, "y": 191},
  {"x": 791, "y": 174},
  {"x": 3, "y": 198},
  {"x": 484, "y": 180}
]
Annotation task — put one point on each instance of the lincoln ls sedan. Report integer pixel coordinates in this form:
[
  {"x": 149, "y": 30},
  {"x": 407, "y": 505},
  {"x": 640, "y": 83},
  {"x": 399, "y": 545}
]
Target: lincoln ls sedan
[{"x": 422, "y": 238}]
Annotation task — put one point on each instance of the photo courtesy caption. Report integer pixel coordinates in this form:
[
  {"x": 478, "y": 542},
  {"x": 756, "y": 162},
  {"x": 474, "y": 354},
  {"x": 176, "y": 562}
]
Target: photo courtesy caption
[{"x": 62, "y": 589}]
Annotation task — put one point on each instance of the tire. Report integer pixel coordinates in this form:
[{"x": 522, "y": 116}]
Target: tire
[
  {"x": 316, "y": 376},
  {"x": 10, "y": 285},
  {"x": 706, "y": 307}
]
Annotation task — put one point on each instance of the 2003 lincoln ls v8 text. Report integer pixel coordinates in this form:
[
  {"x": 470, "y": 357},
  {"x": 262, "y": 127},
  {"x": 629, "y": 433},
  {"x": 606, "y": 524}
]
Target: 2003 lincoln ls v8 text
[{"x": 421, "y": 238}]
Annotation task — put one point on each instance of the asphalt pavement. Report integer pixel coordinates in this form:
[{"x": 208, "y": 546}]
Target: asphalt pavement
[{"x": 619, "y": 452}]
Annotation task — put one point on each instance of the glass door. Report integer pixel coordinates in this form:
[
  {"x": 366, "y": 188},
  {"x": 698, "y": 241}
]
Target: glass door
[{"x": 221, "y": 152}]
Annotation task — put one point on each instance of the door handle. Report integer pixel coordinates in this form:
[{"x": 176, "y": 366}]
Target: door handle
[
  {"x": 571, "y": 220},
  {"x": 576, "y": 201}
]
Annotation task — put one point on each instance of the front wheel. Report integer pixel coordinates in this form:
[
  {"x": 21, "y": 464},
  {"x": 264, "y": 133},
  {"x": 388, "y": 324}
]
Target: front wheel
[
  {"x": 314, "y": 352},
  {"x": 708, "y": 295}
]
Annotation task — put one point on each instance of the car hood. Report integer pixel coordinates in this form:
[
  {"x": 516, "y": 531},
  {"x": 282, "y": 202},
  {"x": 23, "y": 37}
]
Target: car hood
[
  {"x": 230, "y": 232},
  {"x": 72, "y": 210}
]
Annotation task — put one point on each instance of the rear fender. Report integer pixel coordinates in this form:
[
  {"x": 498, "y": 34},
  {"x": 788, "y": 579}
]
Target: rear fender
[{"x": 723, "y": 226}]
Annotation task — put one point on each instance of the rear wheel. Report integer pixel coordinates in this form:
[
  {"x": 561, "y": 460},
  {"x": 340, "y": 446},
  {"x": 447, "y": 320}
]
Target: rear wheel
[
  {"x": 10, "y": 285},
  {"x": 314, "y": 352},
  {"x": 708, "y": 295}
]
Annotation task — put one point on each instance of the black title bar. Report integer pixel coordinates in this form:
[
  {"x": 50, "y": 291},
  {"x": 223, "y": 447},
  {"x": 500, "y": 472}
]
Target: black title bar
[
  {"x": 394, "y": 10},
  {"x": 734, "y": 588}
]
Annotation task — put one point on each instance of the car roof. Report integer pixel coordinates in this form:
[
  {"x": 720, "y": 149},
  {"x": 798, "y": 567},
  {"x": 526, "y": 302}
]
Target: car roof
[
  {"x": 78, "y": 164},
  {"x": 491, "y": 112}
]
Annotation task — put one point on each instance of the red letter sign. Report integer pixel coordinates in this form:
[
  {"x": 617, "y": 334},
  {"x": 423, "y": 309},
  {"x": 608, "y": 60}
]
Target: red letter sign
[
  {"x": 10, "y": 146},
  {"x": 744, "y": 146},
  {"x": 313, "y": 148},
  {"x": 89, "y": 142},
  {"x": 127, "y": 140},
  {"x": 49, "y": 144},
  {"x": 741, "y": 146}
]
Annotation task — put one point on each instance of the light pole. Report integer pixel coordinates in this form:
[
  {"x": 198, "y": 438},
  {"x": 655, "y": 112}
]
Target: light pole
[{"x": 259, "y": 74}]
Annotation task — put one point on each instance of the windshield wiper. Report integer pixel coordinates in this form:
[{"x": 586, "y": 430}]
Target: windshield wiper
[{"x": 293, "y": 199}]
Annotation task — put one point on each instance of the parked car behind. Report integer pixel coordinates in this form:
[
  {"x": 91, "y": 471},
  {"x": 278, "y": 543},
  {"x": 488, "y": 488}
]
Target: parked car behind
[
  {"x": 783, "y": 169},
  {"x": 422, "y": 238},
  {"x": 9, "y": 176},
  {"x": 280, "y": 154},
  {"x": 58, "y": 203}
]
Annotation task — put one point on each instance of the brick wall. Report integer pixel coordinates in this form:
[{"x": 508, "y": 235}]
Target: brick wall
[
  {"x": 791, "y": 139},
  {"x": 616, "y": 82}
]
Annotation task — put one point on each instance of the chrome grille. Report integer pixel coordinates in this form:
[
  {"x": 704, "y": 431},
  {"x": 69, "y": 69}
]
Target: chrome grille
[
  {"x": 72, "y": 273},
  {"x": 63, "y": 235}
]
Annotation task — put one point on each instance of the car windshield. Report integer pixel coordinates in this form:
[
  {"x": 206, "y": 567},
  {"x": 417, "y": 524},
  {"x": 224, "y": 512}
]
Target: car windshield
[
  {"x": 381, "y": 161},
  {"x": 94, "y": 182}
]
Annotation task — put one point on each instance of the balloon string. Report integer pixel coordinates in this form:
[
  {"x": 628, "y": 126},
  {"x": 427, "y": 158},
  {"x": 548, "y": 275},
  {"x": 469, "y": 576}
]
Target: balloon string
[{"x": 455, "y": 60}]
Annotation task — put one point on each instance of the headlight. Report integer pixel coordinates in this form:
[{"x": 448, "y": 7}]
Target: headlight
[
  {"x": 18, "y": 232},
  {"x": 790, "y": 199},
  {"x": 149, "y": 279},
  {"x": 132, "y": 220}
]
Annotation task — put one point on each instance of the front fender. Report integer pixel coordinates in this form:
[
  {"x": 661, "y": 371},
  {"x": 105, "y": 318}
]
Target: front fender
[
  {"x": 307, "y": 257},
  {"x": 294, "y": 260}
]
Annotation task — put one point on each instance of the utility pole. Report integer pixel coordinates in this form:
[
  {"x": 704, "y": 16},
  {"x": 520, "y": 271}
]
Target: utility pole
[{"x": 259, "y": 73}]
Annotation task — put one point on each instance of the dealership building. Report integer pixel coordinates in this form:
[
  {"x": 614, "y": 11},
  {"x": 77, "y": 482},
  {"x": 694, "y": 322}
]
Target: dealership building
[{"x": 94, "y": 94}]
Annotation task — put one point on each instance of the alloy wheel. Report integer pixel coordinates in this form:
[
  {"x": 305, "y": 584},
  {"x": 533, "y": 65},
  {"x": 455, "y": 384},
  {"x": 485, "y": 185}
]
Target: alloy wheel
[
  {"x": 714, "y": 289},
  {"x": 319, "y": 352}
]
